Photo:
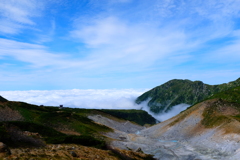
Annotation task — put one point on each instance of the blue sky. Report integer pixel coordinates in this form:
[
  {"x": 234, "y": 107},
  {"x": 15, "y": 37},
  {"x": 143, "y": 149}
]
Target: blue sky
[{"x": 104, "y": 44}]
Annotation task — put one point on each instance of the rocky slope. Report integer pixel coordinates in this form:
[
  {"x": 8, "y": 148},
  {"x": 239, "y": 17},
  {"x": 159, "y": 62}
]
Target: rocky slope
[
  {"x": 128, "y": 137},
  {"x": 162, "y": 98},
  {"x": 207, "y": 130},
  {"x": 211, "y": 127}
]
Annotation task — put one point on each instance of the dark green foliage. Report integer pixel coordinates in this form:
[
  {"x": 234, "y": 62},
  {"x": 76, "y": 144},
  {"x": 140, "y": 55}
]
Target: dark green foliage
[
  {"x": 137, "y": 116},
  {"x": 231, "y": 95},
  {"x": 237, "y": 117},
  {"x": 3, "y": 99},
  {"x": 174, "y": 92},
  {"x": 11, "y": 134},
  {"x": 4, "y": 136},
  {"x": 85, "y": 140},
  {"x": 33, "y": 127}
]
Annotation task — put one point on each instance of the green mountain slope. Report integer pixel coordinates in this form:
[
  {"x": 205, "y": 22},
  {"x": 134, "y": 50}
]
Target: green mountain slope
[
  {"x": 55, "y": 125},
  {"x": 36, "y": 128},
  {"x": 231, "y": 95},
  {"x": 164, "y": 97},
  {"x": 136, "y": 116},
  {"x": 3, "y": 99}
]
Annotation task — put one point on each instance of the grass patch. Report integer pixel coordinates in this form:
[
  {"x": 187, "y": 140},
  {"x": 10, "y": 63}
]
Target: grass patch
[
  {"x": 10, "y": 131},
  {"x": 138, "y": 116},
  {"x": 213, "y": 116},
  {"x": 72, "y": 119}
]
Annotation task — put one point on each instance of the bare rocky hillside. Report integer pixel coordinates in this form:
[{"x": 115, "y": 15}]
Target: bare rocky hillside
[{"x": 210, "y": 127}]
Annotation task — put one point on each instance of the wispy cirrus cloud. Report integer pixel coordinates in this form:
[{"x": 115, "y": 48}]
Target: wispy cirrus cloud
[
  {"x": 15, "y": 15},
  {"x": 175, "y": 33},
  {"x": 116, "y": 40},
  {"x": 32, "y": 54},
  {"x": 118, "y": 43}
]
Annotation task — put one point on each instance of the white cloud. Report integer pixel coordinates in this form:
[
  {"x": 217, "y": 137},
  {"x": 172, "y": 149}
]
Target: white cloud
[
  {"x": 19, "y": 14},
  {"x": 116, "y": 39},
  {"x": 171, "y": 36},
  {"x": 164, "y": 116},
  {"x": 117, "y": 43},
  {"x": 100, "y": 31},
  {"x": 90, "y": 98},
  {"x": 33, "y": 54}
]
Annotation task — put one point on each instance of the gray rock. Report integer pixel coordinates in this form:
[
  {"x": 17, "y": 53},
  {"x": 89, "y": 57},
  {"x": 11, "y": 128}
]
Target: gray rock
[
  {"x": 74, "y": 154},
  {"x": 139, "y": 150}
]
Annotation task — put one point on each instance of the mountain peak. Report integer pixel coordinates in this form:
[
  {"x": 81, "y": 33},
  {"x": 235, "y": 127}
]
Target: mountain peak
[{"x": 177, "y": 91}]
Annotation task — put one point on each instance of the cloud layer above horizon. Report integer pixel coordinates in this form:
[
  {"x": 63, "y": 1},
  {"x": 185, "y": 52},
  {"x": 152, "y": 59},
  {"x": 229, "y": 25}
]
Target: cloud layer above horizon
[
  {"x": 76, "y": 98},
  {"x": 89, "y": 99},
  {"x": 64, "y": 44}
]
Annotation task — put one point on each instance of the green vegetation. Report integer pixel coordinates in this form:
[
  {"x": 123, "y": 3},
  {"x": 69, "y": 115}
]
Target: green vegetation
[
  {"x": 12, "y": 133},
  {"x": 214, "y": 115},
  {"x": 58, "y": 118},
  {"x": 221, "y": 108},
  {"x": 50, "y": 124},
  {"x": 137, "y": 116},
  {"x": 231, "y": 95},
  {"x": 174, "y": 92},
  {"x": 228, "y": 98},
  {"x": 3, "y": 99}
]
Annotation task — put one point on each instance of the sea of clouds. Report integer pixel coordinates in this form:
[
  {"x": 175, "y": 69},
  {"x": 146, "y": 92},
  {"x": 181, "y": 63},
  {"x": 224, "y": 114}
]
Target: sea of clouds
[{"x": 89, "y": 98}]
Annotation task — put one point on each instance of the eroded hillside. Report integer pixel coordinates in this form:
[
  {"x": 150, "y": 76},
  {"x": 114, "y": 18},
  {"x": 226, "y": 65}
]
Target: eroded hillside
[{"x": 212, "y": 127}]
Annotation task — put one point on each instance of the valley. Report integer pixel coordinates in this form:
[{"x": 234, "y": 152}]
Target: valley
[{"x": 207, "y": 130}]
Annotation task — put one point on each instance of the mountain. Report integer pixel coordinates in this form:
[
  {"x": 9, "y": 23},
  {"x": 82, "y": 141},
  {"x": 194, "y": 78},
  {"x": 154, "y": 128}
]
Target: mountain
[
  {"x": 210, "y": 127},
  {"x": 61, "y": 133},
  {"x": 162, "y": 98},
  {"x": 207, "y": 130},
  {"x": 3, "y": 99}
]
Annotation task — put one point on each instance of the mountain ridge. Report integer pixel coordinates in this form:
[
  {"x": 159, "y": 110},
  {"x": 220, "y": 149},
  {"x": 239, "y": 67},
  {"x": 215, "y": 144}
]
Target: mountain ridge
[
  {"x": 211, "y": 127},
  {"x": 3, "y": 99},
  {"x": 162, "y": 98}
]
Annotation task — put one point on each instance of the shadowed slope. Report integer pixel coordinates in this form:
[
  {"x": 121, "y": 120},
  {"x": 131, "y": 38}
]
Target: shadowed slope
[{"x": 3, "y": 99}]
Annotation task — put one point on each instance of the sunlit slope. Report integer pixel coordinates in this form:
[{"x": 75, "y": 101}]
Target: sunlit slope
[
  {"x": 60, "y": 122},
  {"x": 164, "y": 97},
  {"x": 212, "y": 125}
]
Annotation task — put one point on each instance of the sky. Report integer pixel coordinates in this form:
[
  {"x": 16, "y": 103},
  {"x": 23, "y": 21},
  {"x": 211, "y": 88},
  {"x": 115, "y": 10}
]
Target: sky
[{"x": 117, "y": 44}]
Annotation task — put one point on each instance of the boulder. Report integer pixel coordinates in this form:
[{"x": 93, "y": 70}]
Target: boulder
[
  {"x": 74, "y": 154},
  {"x": 139, "y": 150}
]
